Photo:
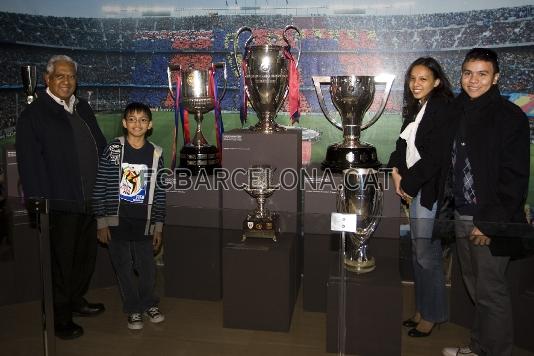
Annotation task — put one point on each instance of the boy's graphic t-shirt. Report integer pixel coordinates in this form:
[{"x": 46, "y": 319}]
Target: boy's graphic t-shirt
[
  {"x": 134, "y": 187},
  {"x": 133, "y": 182}
]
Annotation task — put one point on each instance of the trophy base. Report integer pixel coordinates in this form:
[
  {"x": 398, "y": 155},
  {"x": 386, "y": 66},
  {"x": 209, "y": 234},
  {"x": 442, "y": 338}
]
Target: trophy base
[
  {"x": 359, "y": 266},
  {"x": 267, "y": 127},
  {"x": 339, "y": 158},
  {"x": 258, "y": 227},
  {"x": 196, "y": 158}
]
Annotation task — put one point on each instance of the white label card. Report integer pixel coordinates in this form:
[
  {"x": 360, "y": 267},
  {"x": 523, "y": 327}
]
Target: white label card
[{"x": 343, "y": 222}]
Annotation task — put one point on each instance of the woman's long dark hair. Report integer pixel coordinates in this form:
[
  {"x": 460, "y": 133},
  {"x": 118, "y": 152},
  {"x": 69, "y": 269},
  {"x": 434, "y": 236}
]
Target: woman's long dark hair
[{"x": 410, "y": 105}]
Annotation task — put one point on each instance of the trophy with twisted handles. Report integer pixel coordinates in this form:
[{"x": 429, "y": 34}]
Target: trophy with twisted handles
[
  {"x": 362, "y": 195},
  {"x": 29, "y": 82},
  {"x": 268, "y": 73},
  {"x": 261, "y": 222},
  {"x": 196, "y": 93},
  {"x": 352, "y": 95}
]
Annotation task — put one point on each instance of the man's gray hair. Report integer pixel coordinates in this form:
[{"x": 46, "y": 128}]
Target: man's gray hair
[{"x": 59, "y": 57}]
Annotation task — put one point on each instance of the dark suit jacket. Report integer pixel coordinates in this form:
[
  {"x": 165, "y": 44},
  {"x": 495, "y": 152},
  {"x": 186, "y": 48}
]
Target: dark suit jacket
[
  {"x": 46, "y": 152},
  {"x": 497, "y": 137},
  {"x": 424, "y": 174}
]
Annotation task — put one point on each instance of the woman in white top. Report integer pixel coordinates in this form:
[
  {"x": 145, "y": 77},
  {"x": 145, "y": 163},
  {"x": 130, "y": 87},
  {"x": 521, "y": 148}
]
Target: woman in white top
[{"x": 416, "y": 165}]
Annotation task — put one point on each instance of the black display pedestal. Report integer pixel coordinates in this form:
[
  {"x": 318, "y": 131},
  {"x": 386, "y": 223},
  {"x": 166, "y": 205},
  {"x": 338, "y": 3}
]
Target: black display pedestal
[
  {"x": 320, "y": 190},
  {"x": 521, "y": 286},
  {"x": 373, "y": 309},
  {"x": 193, "y": 244},
  {"x": 243, "y": 149},
  {"x": 259, "y": 279},
  {"x": 319, "y": 202}
]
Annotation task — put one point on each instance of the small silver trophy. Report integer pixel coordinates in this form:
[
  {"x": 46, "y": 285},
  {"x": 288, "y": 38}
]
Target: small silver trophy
[
  {"x": 197, "y": 97},
  {"x": 261, "y": 222},
  {"x": 363, "y": 196},
  {"x": 352, "y": 95},
  {"x": 29, "y": 82},
  {"x": 266, "y": 77}
]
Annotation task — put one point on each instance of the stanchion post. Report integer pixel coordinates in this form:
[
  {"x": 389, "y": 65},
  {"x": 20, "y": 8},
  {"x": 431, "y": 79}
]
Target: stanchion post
[
  {"x": 344, "y": 223},
  {"x": 39, "y": 207}
]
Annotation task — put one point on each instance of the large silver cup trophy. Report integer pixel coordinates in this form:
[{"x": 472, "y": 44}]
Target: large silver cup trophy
[
  {"x": 266, "y": 77},
  {"x": 352, "y": 95},
  {"x": 197, "y": 97},
  {"x": 29, "y": 82},
  {"x": 261, "y": 222},
  {"x": 362, "y": 195}
]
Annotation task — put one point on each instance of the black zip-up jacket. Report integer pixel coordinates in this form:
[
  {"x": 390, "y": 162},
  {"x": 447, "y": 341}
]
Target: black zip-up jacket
[
  {"x": 497, "y": 137},
  {"x": 46, "y": 153}
]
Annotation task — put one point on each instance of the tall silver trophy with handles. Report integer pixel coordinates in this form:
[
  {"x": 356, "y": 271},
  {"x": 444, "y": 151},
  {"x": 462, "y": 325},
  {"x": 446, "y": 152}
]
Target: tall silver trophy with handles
[
  {"x": 265, "y": 69},
  {"x": 361, "y": 194},
  {"x": 352, "y": 95},
  {"x": 29, "y": 82},
  {"x": 197, "y": 96}
]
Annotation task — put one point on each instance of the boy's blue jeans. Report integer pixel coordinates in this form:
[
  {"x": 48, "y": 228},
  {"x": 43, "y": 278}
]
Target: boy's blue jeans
[
  {"x": 135, "y": 268},
  {"x": 427, "y": 259}
]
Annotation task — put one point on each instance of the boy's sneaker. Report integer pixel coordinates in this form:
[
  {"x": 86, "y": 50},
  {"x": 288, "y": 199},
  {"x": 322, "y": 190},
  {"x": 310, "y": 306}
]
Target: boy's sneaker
[
  {"x": 135, "y": 321},
  {"x": 458, "y": 351},
  {"x": 154, "y": 315}
]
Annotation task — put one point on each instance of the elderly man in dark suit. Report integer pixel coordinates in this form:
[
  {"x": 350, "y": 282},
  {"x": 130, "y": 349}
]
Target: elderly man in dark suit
[{"x": 58, "y": 144}]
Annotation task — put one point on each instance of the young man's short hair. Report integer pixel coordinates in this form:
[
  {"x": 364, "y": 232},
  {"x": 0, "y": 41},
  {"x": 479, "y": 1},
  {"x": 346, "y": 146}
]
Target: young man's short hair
[{"x": 483, "y": 54}]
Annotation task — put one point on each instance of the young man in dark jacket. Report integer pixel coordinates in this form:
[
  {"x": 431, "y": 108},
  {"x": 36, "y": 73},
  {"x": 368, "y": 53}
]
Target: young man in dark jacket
[
  {"x": 58, "y": 144},
  {"x": 489, "y": 154}
]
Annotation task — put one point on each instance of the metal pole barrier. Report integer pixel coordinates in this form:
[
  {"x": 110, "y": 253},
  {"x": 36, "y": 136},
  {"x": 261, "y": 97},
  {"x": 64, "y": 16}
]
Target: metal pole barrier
[
  {"x": 342, "y": 310},
  {"x": 344, "y": 223},
  {"x": 40, "y": 207}
]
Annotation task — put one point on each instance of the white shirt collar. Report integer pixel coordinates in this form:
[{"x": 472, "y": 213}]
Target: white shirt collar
[{"x": 68, "y": 106}]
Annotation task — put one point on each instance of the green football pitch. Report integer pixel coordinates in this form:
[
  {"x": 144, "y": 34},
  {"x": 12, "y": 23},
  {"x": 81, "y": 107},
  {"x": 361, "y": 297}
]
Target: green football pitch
[{"x": 382, "y": 134}]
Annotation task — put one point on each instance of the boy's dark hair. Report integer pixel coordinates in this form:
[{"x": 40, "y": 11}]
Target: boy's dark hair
[
  {"x": 136, "y": 107},
  {"x": 483, "y": 54}
]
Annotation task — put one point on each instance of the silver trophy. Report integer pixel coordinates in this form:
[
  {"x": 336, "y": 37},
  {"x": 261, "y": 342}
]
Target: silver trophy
[
  {"x": 197, "y": 97},
  {"x": 352, "y": 95},
  {"x": 266, "y": 77},
  {"x": 361, "y": 195},
  {"x": 29, "y": 82},
  {"x": 261, "y": 222}
]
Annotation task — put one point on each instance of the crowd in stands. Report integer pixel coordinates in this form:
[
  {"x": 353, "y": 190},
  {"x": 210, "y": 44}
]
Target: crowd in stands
[
  {"x": 125, "y": 59},
  {"x": 443, "y": 30}
]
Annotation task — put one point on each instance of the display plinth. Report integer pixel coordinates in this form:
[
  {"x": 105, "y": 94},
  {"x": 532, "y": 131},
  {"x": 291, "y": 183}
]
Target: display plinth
[
  {"x": 320, "y": 189},
  {"x": 282, "y": 151},
  {"x": 521, "y": 287},
  {"x": 373, "y": 309},
  {"x": 12, "y": 187},
  {"x": 192, "y": 236},
  {"x": 319, "y": 201},
  {"x": 259, "y": 282}
]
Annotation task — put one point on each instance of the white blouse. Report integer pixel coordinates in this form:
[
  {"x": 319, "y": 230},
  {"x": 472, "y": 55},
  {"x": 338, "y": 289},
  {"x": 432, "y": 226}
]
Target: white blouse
[{"x": 412, "y": 155}]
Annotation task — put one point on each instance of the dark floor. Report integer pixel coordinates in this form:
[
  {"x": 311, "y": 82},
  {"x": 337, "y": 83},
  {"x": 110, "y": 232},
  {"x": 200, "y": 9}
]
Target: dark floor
[{"x": 195, "y": 328}]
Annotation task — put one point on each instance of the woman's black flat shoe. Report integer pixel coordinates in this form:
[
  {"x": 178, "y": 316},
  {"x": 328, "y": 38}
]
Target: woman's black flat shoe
[
  {"x": 409, "y": 323},
  {"x": 416, "y": 333}
]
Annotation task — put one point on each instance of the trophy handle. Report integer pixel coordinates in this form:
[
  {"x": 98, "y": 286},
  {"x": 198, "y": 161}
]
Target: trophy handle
[
  {"x": 299, "y": 42},
  {"x": 236, "y": 46},
  {"x": 223, "y": 66},
  {"x": 377, "y": 211},
  {"x": 381, "y": 78},
  {"x": 317, "y": 82},
  {"x": 170, "y": 69}
]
